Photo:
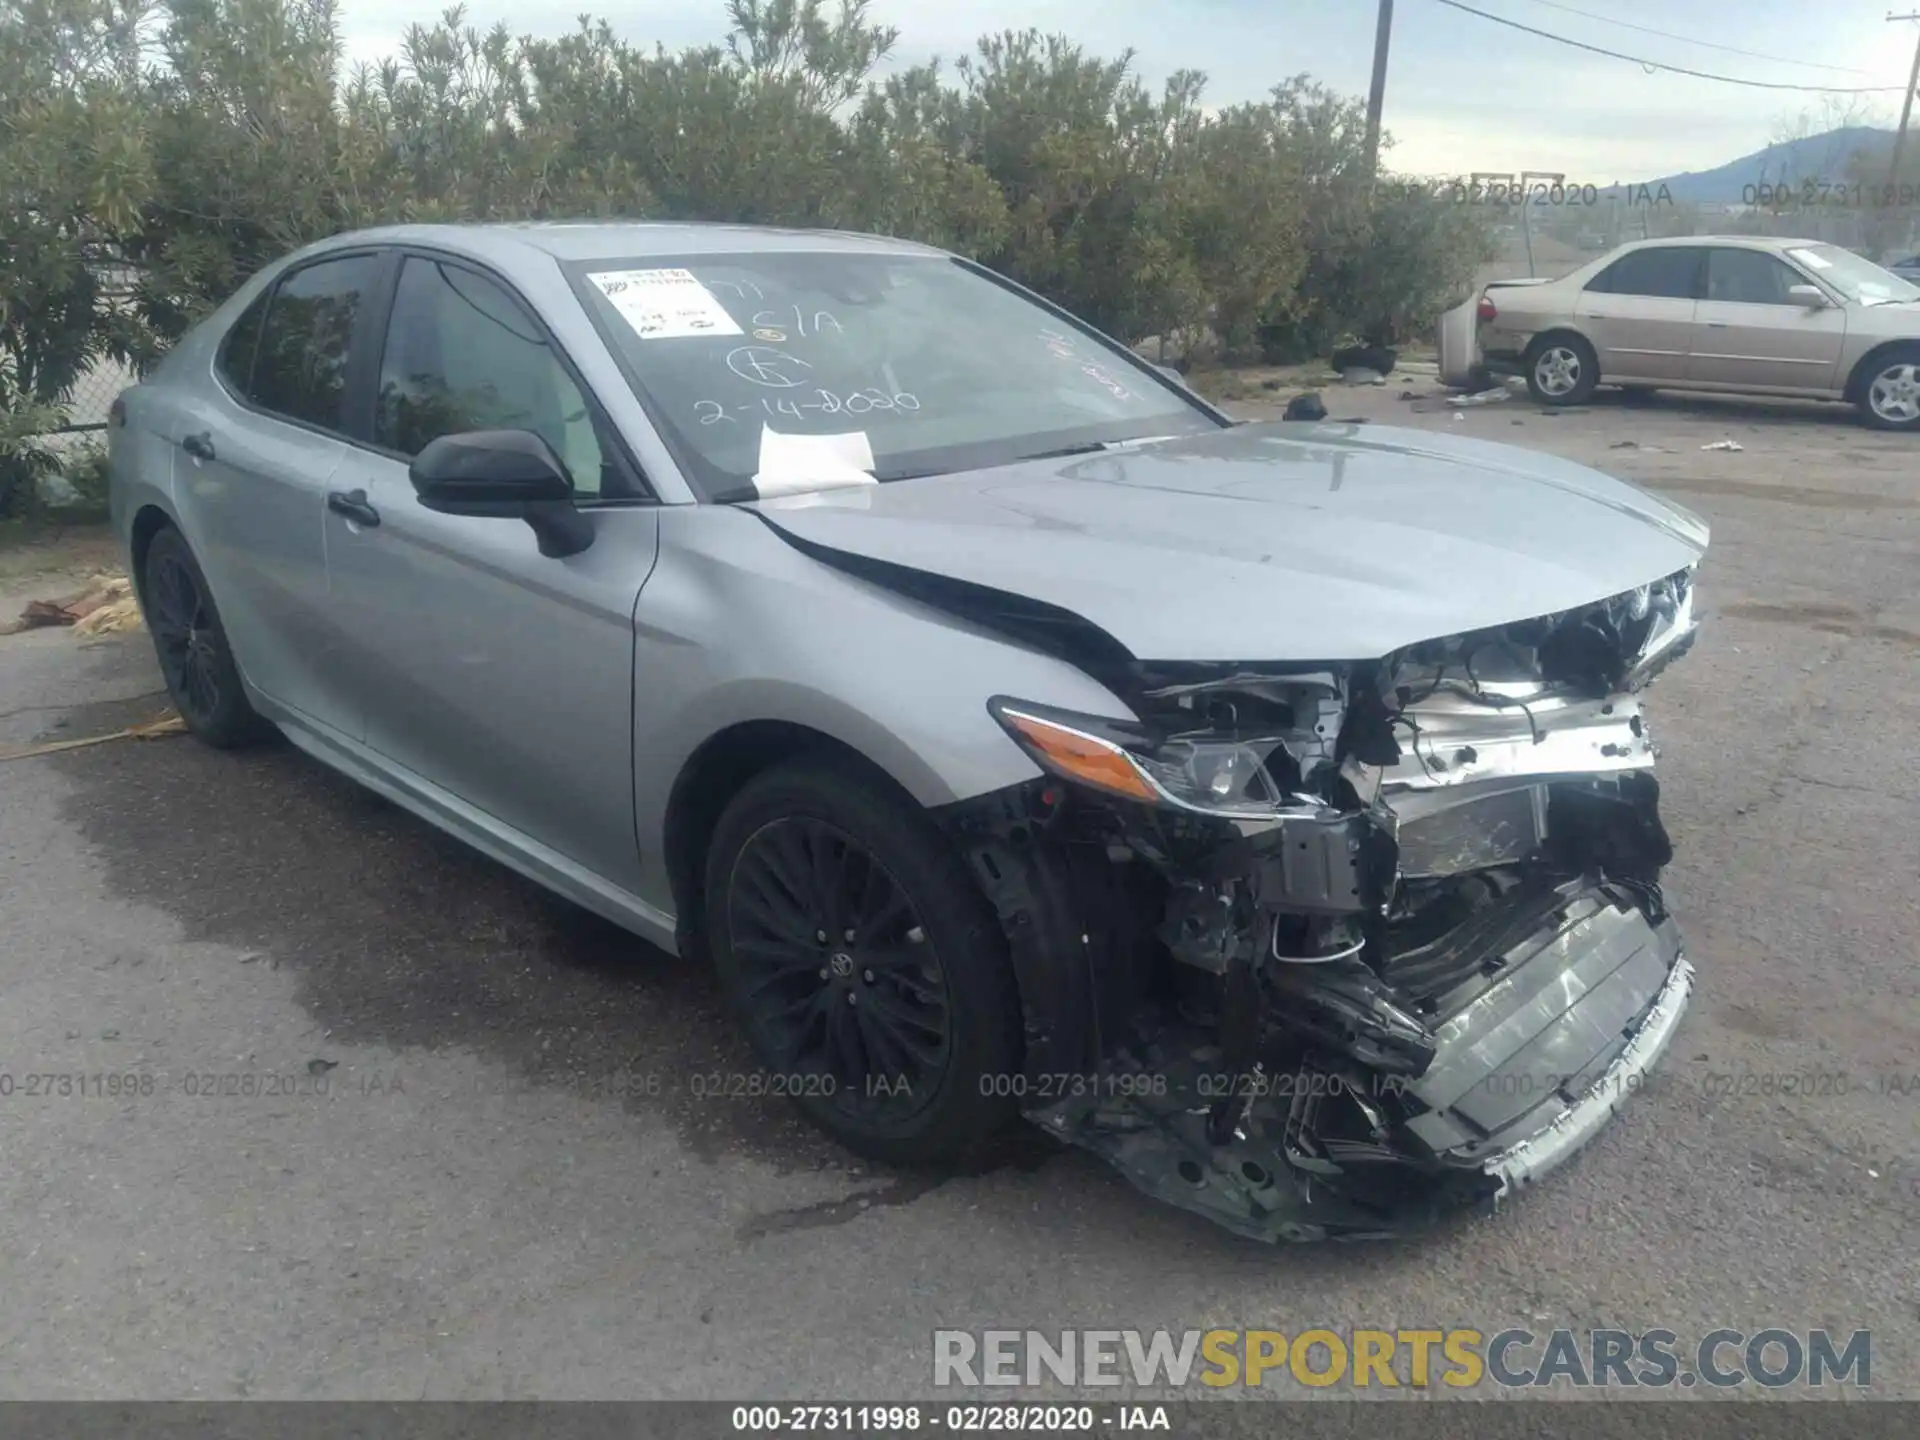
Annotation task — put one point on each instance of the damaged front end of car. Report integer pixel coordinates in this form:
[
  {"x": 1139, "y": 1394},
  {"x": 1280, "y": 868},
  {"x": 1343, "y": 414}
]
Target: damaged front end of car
[{"x": 1332, "y": 951}]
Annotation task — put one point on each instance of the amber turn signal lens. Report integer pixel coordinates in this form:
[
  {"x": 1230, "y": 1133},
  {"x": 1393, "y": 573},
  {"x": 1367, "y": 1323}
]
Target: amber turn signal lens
[{"x": 1081, "y": 757}]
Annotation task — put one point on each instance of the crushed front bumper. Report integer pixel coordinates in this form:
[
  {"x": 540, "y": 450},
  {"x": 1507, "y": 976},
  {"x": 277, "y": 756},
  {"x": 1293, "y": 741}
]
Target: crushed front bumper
[{"x": 1564, "y": 1004}]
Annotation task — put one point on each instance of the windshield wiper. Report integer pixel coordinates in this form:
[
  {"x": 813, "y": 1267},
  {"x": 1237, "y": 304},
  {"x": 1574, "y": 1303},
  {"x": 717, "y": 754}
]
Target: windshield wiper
[
  {"x": 1091, "y": 447},
  {"x": 1088, "y": 447}
]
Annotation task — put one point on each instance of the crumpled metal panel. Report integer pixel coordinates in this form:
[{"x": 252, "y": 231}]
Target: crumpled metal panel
[
  {"x": 1521, "y": 1047},
  {"x": 1585, "y": 994},
  {"x": 1453, "y": 740}
]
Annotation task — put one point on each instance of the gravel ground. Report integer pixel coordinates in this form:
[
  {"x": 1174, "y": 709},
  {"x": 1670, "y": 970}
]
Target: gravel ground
[{"x": 511, "y": 1189}]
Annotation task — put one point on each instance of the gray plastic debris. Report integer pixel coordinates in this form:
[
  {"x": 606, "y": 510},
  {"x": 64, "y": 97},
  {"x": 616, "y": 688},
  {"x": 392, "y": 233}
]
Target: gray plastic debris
[
  {"x": 1482, "y": 397},
  {"x": 1361, "y": 375},
  {"x": 1724, "y": 445}
]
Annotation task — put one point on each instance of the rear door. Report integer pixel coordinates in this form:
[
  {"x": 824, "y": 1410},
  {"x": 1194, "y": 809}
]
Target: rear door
[
  {"x": 1752, "y": 335},
  {"x": 258, "y": 449},
  {"x": 1639, "y": 313}
]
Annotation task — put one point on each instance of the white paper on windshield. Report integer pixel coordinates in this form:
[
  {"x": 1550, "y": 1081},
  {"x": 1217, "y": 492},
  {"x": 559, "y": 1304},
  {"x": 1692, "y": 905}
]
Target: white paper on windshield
[
  {"x": 1807, "y": 257},
  {"x": 793, "y": 464},
  {"x": 664, "y": 304}
]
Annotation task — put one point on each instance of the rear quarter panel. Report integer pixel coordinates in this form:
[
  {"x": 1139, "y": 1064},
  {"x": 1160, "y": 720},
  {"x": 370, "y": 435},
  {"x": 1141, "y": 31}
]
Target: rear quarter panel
[
  {"x": 139, "y": 463},
  {"x": 1525, "y": 308}
]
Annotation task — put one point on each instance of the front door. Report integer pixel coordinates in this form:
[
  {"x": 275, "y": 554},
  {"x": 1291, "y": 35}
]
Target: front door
[
  {"x": 482, "y": 667},
  {"x": 1752, "y": 335},
  {"x": 1639, "y": 313}
]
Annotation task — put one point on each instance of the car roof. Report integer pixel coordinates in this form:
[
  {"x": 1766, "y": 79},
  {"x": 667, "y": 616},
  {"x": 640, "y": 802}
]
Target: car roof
[
  {"x": 1750, "y": 242},
  {"x": 622, "y": 239}
]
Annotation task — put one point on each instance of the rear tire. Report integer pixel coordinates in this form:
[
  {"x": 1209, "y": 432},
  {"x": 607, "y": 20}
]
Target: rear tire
[
  {"x": 858, "y": 953},
  {"x": 1561, "y": 370},
  {"x": 191, "y": 645},
  {"x": 1889, "y": 395}
]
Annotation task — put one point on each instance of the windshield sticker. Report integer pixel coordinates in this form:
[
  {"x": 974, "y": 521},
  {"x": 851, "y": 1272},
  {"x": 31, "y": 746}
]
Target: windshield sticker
[
  {"x": 664, "y": 304},
  {"x": 1807, "y": 257},
  {"x": 791, "y": 464}
]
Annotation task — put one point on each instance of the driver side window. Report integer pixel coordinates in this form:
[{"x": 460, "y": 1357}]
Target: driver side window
[
  {"x": 462, "y": 354},
  {"x": 1748, "y": 277}
]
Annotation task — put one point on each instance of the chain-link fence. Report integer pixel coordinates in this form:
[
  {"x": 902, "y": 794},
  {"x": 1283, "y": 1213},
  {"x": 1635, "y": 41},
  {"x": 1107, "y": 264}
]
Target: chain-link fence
[{"x": 62, "y": 466}]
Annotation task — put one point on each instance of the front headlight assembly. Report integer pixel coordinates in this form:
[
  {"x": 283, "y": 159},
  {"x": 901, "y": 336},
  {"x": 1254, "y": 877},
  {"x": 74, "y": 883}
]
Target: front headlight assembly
[{"x": 1205, "y": 774}]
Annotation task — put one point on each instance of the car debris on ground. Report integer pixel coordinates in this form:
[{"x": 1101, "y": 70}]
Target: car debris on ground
[
  {"x": 1728, "y": 444},
  {"x": 1482, "y": 397},
  {"x": 1305, "y": 406},
  {"x": 106, "y": 606}
]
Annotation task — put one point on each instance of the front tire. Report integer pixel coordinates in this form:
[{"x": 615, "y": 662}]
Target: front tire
[
  {"x": 1890, "y": 393},
  {"x": 1561, "y": 370},
  {"x": 870, "y": 974},
  {"x": 191, "y": 645}
]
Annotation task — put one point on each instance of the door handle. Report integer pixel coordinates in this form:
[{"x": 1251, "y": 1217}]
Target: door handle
[
  {"x": 199, "y": 446},
  {"x": 354, "y": 505}
]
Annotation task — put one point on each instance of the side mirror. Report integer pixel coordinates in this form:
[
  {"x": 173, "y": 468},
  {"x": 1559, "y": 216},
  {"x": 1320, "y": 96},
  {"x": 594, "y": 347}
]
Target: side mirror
[
  {"x": 1811, "y": 296},
  {"x": 507, "y": 475}
]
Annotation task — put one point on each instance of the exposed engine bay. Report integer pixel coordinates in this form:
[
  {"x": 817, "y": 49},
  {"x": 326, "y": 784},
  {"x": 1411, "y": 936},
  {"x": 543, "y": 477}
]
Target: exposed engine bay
[{"x": 1332, "y": 951}]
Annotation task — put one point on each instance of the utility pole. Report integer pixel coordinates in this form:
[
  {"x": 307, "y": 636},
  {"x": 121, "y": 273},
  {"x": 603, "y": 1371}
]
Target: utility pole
[
  {"x": 1900, "y": 135},
  {"x": 1377, "y": 94}
]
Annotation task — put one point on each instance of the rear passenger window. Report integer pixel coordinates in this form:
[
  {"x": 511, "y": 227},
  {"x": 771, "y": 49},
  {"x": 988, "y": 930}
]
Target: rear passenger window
[
  {"x": 301, "y": 368},
  {"x": 1668, "y": 272},
  {"x": 235, "y": 360}
]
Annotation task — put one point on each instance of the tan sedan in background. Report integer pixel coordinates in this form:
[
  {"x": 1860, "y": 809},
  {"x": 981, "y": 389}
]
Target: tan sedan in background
[{"x": 1744, "y": 314}]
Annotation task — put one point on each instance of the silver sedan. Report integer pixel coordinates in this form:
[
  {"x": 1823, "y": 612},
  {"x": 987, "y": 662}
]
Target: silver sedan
[{"x": 1267, "y": 808}]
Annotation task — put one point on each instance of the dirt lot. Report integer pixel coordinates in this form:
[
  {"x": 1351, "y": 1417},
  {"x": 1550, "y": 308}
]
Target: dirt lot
[{"x": 476, "y": 1210}]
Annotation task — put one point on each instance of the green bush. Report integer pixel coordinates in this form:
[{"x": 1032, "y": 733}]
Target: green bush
[
  {"x": 194, "y": 140},
  {"x": 26, "y": 460}
]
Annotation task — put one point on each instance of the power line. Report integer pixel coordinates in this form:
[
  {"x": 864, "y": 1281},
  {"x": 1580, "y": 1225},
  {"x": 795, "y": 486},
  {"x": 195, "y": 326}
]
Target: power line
[
  {"x": 1652, "y": 65},
  {"x": 1703, "y": 44}
]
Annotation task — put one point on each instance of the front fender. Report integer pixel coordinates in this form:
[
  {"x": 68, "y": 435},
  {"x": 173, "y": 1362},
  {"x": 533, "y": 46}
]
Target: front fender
[{"x": 736, "y": 626}]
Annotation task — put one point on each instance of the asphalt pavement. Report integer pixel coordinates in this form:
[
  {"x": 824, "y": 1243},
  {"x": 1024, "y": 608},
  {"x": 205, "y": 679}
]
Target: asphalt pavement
[{"x": 362, "y": 1114}]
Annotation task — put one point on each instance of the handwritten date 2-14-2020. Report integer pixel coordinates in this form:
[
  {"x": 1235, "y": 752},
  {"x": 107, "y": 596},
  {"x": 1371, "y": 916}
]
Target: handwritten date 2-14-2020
[{"x": 827, "y": 402}]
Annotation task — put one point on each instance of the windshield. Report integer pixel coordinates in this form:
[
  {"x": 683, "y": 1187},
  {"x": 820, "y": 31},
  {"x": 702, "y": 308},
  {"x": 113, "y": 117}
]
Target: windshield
[
  {"x": 776, "y": 371},
  {"x": 1859, "y": 279}
]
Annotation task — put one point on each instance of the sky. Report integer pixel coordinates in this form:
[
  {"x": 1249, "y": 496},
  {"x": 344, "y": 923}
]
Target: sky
[{"x": 1463, "y": 94}]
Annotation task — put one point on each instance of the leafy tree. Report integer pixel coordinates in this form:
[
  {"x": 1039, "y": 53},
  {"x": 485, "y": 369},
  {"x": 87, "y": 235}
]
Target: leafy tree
[
  {"x": 75, "y": 171},
  {"x": 187, "y": 142}
]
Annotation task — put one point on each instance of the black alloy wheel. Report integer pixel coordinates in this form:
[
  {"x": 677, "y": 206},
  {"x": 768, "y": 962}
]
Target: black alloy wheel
[
  {"x": 869, "y": 973},
  {"x": 836, "y": 972},
  {"x": 191, "y": 646}
]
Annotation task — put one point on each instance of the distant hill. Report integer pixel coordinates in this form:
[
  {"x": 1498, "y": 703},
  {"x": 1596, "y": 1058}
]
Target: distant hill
[{"x": 1816, "y": 157}]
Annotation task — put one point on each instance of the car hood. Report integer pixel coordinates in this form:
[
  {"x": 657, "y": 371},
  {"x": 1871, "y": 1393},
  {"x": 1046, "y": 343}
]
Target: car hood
[
  {"x": 1269, "y": 542},
  {"x": 1895, "y": 318}
]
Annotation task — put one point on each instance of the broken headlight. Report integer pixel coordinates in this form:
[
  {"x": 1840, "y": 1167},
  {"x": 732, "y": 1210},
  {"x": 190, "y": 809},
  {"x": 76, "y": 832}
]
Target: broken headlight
[{"x": 1214, "y": 775}]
